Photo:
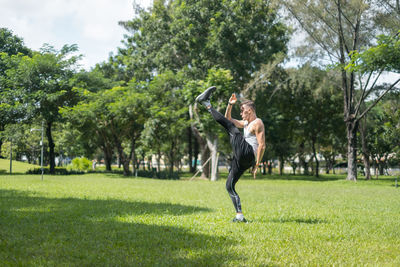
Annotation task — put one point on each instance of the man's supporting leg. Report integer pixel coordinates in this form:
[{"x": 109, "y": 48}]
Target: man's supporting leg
[{"x": 234, "y": 175}]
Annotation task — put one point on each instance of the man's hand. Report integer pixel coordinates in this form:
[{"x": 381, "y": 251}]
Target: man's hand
[
  {"x": 232, "y": 99},
  {"x": 254, "y": 171}
]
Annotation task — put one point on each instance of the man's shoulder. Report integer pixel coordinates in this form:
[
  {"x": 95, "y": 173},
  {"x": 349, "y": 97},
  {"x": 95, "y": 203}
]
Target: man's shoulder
[
  {"x": 259, "y": 121},
  {"x": 259, "y": 124}
]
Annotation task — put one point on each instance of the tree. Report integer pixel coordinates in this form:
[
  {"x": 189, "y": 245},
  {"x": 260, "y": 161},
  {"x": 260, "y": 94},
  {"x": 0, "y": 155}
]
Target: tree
[
  {"x": 43, "y": 83},
  {"x": 167, "y": 121},
  {"x": 86, "y": 119},
  {"x": 388, "y": 15},
  {"x": 129, "y": 115},
  {"x": 196, "y": 36},
  {"x": 109, "y": 118},
  {"x": 12, "y": 44},
  {"x": 24, "y": 143},
  {"x": 91, "y": 118},
  {"x": 339, "y": 28},
  {"x": 384, "y": 56},
  {"x": 317, "y": 106},
  {"x": 9, "y": 45},
  {"x": 203, "y": 126},
  {"x": 301, "y": 111},
  {"x": 382, "y": 133}
]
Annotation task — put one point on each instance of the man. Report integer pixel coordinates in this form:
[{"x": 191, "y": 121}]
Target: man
[{"x": 247, "y": 149}]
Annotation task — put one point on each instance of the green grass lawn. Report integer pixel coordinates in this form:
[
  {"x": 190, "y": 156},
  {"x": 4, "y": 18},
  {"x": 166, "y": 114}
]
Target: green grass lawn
[
  {"x": 17, "y": 166},
  {"x": 109, "y": 220}
]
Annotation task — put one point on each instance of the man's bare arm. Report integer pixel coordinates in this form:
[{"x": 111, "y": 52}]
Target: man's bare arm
[
  {"x": 260, "y": 135},
  {"x": 232, "y": 101}
]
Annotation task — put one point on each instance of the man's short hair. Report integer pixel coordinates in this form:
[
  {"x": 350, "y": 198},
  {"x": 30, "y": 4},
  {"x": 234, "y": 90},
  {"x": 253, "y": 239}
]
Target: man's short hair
[{"x": 248, "y": 103}]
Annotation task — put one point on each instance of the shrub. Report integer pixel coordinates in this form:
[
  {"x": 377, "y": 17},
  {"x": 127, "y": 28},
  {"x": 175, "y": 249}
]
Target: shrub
[
  {"x": 57, "y": 170},
  {"x": 158, "y": 175},
  {"x": 81, "y": 164}
]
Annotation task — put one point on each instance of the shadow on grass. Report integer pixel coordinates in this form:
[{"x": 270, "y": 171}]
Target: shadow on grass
[
  {"x": 74, "y": 232},
  {"x": 299, "y": 220},
  {"x": 291, "y": 177}
]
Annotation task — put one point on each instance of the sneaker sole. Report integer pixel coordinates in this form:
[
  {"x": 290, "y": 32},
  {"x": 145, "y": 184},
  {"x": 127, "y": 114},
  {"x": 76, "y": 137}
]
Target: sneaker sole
[{"x": 212, "y": 89}]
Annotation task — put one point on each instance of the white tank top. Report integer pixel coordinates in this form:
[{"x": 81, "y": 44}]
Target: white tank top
[{"x": 250, "y": 137}]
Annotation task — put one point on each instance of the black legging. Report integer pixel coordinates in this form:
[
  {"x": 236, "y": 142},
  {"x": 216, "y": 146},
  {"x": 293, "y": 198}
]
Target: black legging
[{"x": 243, "y": 157}]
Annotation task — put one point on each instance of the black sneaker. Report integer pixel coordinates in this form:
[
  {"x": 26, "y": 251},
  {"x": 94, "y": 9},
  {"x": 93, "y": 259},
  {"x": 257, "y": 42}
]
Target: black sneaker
[
  {"x": 204, "y": 98},
  {"x": 236, "y": 220}
]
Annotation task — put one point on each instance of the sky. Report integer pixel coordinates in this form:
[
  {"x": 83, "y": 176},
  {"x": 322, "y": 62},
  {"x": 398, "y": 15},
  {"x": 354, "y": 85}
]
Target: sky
[{"x": 91, "y": 24}]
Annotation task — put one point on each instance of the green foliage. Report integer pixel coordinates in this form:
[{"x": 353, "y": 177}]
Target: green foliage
[
  {"x": 223, "y": 80},
  {"x": 81, "y": 164},
  {"x": 195, "y": 36},
  {"x": 109, "y": 118},
  {"x": 383, "y": 131},
  {"x": 385, "y": 56},
  {"x": 11, "y": 44},
  {"x": 167, "y": 121},
  {"x": 40, "y": 84},
  {"x": 301, "y": 109},
  {"x": 57, "y": 171},
  {"x": 25, "y": 142}
]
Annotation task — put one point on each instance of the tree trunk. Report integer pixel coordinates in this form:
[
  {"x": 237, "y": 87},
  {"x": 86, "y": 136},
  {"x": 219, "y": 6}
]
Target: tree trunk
[
  {"x": 213, "y": 146},
  {"x": 149, "y": 163},
  {"x": 315, "y": 158},
  {"x": 311, "y": 163},
  {"x": 1, "y": 144},
  {"x": 107, "y": 148},
  {"x": 302, "y": 160},
  {"x": 171, "y": 158},
  {"x": 159, "y": 160},
  {"x": 367, "y": 166},
  {"x": 125, "y": 165},
  {"x": 327, "y": 162},
  {"x": 269, "y": 167},
  {"x": 1, "y": 139},
  {"x": 171, "y": 167},
  {"x": 196, "y": 155},
  {"x": 204, "y": 153},
  {"x": 51, "y": 147},
  {"x": 348, "y": 97},
  {"x": 381, "y": 167},
  {"x": 133, "y": 155},
  {"x": 351, "y": 128},
  {"x": 118, "y": 160},
  {"x": 123, "y": 158},
  {"x": 281, "y": 164},
  {"x": 143, "y": 159},
  {"x": 107, "y": 151},
  {"x": 190, "y": 148},
  {"x": 304, "y": 164},
  {"x": 365, "y": 151}
]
